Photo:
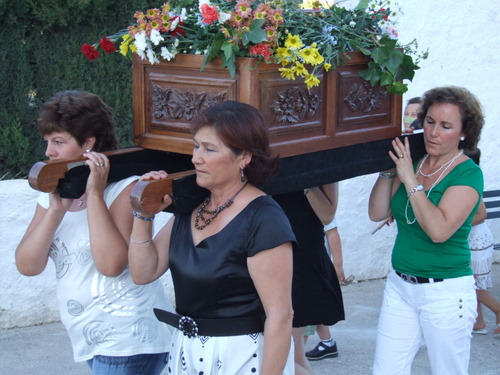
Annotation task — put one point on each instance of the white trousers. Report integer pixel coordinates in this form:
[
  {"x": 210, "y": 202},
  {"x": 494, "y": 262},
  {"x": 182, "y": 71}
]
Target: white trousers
[{"x": 441, "y": 315}]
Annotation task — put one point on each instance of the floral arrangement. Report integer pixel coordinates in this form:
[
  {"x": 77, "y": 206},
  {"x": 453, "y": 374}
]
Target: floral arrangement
[{"x": 302, "y": 41}]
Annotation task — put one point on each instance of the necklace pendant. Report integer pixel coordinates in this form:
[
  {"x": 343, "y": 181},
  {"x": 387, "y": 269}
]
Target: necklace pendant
[{"x": 80, "y": 203}]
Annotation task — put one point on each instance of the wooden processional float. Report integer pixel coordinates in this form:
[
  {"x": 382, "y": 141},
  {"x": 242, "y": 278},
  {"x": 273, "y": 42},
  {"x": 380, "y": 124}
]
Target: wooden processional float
[{"x": 341, "y": 129}]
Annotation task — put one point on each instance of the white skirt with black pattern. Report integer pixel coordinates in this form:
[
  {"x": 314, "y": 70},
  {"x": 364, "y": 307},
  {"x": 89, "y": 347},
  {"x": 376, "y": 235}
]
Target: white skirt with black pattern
[
  {"x": 481, "y": 245},
  {"x": 226, "y": 355}
]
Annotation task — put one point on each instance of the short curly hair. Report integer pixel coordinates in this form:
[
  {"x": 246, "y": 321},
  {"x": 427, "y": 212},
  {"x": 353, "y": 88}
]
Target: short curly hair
[
  {"x": 83, "y": 115},
  {"x": 469, "y": 106},
  {"x": 242, "y": 128}
]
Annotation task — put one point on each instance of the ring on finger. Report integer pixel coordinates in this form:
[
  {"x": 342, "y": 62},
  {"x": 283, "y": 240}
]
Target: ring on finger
[
  {"x": 101, "y": 165},
  {"x": 401, "y": 156}
]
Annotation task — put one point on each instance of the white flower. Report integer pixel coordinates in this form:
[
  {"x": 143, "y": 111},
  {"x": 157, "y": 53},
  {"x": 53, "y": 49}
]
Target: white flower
[
  {"x": 174, "y": 24},
  {"x": 156, "y": 37},
  {"x": 141, "y": 43},
  {"x": 152, "y": 56},
  {"x": 352, "y": 24},
  {"x": 166, "y": 54},
  {"x": 223, "y": 17},
  {"x": 201, "y": 2}
]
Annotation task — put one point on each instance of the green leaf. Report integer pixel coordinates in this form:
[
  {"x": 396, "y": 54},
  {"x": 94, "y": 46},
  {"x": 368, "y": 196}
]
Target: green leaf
[
  {"x": 256, "y": 34},
  {"x": 363, "y": 4},
  {"x": 386, "y": 79},
  {"x": 371, "y": 74},
  {"x": 407, "y": 69},
  {"x": 397, "y": 88},
  {"x": 394, "y": 60},
  {"x": 229, "y": 63}
]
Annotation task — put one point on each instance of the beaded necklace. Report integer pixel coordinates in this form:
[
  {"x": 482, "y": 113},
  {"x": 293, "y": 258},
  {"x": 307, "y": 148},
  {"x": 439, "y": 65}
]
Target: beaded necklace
[
  {"x": 202, "y": 210},
  {"x": 448, "y": 164},
  {"x": 444, "y": 165}
]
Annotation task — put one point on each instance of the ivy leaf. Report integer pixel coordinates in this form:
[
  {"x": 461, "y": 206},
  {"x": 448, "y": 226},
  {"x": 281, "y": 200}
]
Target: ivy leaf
[
  {"x": 371, "y": 74},
  {"x": 407, "y": 69},
  {"x": 229, "y": 62},
  {"x": 256, "y": 34},
  {"x": 386, "y": 79},
  {"x": 397, "y": 88},
  {"x": 394, "y": 60}
]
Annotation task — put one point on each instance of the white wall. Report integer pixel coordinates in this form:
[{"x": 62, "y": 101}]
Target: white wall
[{"x": 463, "y": 39}]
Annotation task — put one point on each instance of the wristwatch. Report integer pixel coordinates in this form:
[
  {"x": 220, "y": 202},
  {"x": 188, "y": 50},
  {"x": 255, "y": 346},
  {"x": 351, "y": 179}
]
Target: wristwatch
[{"x": 419, "y": 187}]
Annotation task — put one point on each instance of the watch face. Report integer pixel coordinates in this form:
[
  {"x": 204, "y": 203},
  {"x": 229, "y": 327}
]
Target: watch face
[{"x": 420, "y": 187}]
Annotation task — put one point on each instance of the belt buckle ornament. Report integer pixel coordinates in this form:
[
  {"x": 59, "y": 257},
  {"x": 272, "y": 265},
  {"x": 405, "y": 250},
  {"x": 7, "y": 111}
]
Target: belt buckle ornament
[
  {"x": 409, "y": 278},
  {"x": 188, "y": 326}
]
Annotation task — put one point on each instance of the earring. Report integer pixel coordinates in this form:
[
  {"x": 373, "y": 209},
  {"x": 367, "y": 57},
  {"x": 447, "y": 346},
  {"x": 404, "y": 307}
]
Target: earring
[
  {"x": 87, "y": 150},
  {"x": 462, "y": 138},
  {"x": 242, "y": 176}
]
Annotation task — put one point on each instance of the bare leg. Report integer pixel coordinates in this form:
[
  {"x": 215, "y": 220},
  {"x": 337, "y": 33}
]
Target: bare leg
[
  {"x": 302, "y": 365},
  {"x": 323, "y": 332},
  {"x": 479, "y": 324},
  {"x": 487, "y": 299}
]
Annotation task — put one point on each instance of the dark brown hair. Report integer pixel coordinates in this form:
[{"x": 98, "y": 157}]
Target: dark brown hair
[
  {"x": 81, "y": 114},
  {"x": 242, "y": 128},
  {"x": 468, "y": 105}
]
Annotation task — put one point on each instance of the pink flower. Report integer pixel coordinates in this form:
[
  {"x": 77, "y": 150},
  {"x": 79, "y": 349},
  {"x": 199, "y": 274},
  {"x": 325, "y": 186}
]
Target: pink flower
[
  {"x": 261, "y": 49},
  {"x": 209, "y": 13}
]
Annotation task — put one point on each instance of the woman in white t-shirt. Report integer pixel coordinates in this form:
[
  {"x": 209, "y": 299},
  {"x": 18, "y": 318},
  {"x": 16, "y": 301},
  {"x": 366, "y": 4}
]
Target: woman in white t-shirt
[{"x": 109, "y": 319}]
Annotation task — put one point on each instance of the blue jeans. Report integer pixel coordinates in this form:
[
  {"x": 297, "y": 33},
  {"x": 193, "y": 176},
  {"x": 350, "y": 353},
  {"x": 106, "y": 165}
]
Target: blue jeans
[{"x": 141, "y": 364}]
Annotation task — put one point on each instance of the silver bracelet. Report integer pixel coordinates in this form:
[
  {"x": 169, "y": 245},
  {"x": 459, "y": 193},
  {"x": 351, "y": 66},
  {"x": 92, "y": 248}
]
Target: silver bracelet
[
  {"x": 387, "y": 175},
  {"x": 306, "y": 191},
  {"x": 139, "y": 242}
]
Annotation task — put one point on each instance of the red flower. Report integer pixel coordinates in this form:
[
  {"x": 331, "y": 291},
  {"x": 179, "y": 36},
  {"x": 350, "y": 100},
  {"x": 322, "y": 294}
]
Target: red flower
[
  {"x": 261, "y": 49},
  {"x": 90, "y": 52},
  {"x": 209, "y": 13},
  {"x": 107, "y": 45},
  {"x": 178, "y": 31}
]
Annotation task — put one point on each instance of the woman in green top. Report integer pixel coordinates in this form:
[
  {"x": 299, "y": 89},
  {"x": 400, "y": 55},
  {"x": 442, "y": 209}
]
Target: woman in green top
[{"x": 429, "y": 296}]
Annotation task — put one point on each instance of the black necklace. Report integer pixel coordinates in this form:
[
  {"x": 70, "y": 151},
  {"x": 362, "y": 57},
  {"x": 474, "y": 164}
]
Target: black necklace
[{"x": 202, "y": 210}]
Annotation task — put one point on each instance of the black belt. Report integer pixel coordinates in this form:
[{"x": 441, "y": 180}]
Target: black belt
[
  {"x": 416, "y": 279},
  {"x": 212, "y": 327}
]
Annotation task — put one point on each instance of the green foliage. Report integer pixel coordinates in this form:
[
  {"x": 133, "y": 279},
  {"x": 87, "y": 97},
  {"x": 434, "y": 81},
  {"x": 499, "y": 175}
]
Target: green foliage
[{"x": 41, "y": 55}]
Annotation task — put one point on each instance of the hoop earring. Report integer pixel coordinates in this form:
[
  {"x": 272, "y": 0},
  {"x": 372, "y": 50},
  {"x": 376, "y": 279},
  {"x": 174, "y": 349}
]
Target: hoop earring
[{"x": 242, "y": 176}]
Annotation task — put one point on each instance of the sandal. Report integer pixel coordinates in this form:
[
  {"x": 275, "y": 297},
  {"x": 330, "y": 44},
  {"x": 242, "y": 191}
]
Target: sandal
[
  {"x": 496, "y": 335},
  {"x": 480, "y": 331}
]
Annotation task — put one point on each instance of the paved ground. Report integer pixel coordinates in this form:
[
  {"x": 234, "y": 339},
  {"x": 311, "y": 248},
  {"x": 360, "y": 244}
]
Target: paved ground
[{"x": 45, "y": 349}]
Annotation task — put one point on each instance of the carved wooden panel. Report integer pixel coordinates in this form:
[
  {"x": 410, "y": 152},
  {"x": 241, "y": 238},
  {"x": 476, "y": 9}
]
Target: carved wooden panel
[{"x": 344, "y": 110}]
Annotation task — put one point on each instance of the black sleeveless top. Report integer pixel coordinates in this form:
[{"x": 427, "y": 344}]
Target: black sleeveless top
[{"x": 212, "y": 280}]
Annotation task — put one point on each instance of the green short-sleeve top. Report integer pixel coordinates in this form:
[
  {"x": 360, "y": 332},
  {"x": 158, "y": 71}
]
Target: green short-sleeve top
[{"x": 414, "y": 253}]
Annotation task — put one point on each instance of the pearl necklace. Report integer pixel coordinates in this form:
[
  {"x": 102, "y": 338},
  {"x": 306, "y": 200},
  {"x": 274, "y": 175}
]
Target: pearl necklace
[
  {"x": 202, "y": 210},
  {"x": 444, "y": 165},
  {"x": 448, "y": 164}
]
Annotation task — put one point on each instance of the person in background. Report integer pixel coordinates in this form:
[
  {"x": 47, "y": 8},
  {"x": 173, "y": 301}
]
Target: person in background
[
  {"x": 429, "y": 295},
  {"x": 316, "y": 294},
  {"x": 87, "y": 238},
  {"x": 481, "y": 244},
  {"x": 230, "y": 259},
  {"x": 411, "y": 122},
  {"x": 327, "y": 347}
]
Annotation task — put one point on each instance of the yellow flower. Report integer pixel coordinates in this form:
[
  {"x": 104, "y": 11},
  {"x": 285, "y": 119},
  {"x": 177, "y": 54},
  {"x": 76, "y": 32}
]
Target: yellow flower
[
  {"x": 293, "y": 41},
  {"x": 311, "y": 56},
  {"x": 327, "y": 67},
  {"x": 124, "y": 46},
  {"x": 311, "y": 81},
  {"x": 287, "y": 73},
  {"x": 299, "y": 69}
]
